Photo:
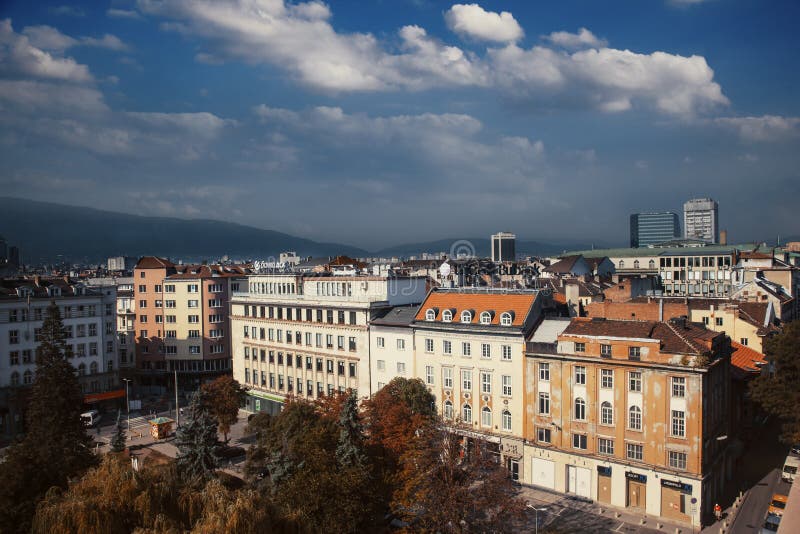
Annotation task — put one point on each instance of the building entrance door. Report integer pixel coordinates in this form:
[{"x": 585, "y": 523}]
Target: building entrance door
[
  {"x": 637, "y": 495},
  {"x": 604, "y": 488},
  {"x": 578, "y": 480},
  {"x": 513, "y": 468}
]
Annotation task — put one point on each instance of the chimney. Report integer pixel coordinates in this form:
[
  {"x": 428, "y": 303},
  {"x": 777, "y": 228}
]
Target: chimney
[
  {"x": 37, "y": 280},
  {"x": 723, "y": 237}
]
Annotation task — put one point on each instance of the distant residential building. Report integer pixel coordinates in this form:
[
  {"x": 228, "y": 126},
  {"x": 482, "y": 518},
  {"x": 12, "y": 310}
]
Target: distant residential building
[
  {"x": 88, "y": 316},
  {"x": 121, "y": 263},
  {"x": 701, "y": 219},
  {"x": 574, "y": 265},
  {"x": 504, "y": 247},
  {"x": 182, "y": 321},
  {"x": 654, "y": 228}
]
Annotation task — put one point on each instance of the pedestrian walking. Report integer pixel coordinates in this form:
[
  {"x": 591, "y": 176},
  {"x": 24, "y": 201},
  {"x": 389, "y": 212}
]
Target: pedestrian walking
[{"x": 718, "y": 511}]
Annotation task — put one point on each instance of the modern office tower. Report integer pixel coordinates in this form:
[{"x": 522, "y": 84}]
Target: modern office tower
[
  {"x": 504, "y": 247},
  {"x": 701, "y": 220},
  {"x": 653, "y": 228}
]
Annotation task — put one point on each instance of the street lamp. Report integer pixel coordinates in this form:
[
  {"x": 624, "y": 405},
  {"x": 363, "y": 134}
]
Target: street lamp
[
  {"x": 537, "y": 510},
  {"x": 127, "y": 402}
]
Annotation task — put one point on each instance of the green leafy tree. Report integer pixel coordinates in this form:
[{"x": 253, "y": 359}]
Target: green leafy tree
[
  {"x": 778, "y": 389},
  {"x": 197, "y": 442},
  {"x": 56, "y": 446},
  {"x": 119, "y": 437},
  {"x": 224, "y": 396}
]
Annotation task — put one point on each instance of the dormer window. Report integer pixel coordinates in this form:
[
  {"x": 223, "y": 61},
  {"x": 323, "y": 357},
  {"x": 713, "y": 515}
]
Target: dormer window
[
  {"x": 505, "y": 319},
  {"x": 430, "y": 315},
  {"x": 447, "y": 316},
  {"x": 466, "y": 316},
  {"x": 486, "y": 317}
]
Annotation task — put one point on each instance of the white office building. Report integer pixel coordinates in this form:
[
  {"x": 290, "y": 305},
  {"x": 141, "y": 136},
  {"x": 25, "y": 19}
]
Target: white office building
[{"x": 701, "y": 219}]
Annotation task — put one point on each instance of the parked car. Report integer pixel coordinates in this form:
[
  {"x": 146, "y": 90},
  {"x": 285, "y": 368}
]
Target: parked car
[
  {"x": 778, "y": 504},
  {"x": 790, "y": 468},
  {"x": 90, "y": 418},
  {"x": 771, "y": 524}
]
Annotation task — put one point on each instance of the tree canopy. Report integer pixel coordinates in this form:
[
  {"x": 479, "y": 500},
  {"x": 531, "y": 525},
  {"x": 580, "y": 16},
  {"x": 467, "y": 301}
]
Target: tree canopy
[
  {"x": 224, "y": 396},
  {"x": 197, "y": 442}
]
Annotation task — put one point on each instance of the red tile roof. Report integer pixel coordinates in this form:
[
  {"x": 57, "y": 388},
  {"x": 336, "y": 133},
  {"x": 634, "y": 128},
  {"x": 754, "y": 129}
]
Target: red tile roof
[
  {"x": 744, "y": 360},
  {"x": 153, "y": 262},
  {"x": 518, "y": 303}
]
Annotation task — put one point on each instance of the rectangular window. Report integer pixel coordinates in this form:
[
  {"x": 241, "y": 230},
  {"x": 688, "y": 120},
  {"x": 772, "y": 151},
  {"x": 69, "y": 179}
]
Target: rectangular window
[
  {"x": 340, "y": 368},
  {"x": 634, "y": 451},
  {"x": 543, "y": 435},
  {"x": 429, "y": 374},
  {"x": 169, "y": 288},
  {"x": 544, "y": 372},
  {"x": 401, "y": 368},
  {"x": 318, "y": 340},
  {"x": 605, "y": 350},
  {"x": 401, "y": 344},
  {"x": 215, "y": 288},
  {"x": 544, "y": 403},
  {"x": 466, "y": 349},
  {"x": 171, "y": 318},
  {"x": 340, "y": 342},
  {"x": 677, "y": 460},
  {"x": 447, "y": 347},
  {"x": 142, "y": 303},
  {"x": 486, "y": 350},
  {"x": 580, "y": 374},
  {"x": 605, "y": 446},
  {"x": 142, "y": 318},
  {"x": 192, "y": 288},
  {"x": 506, "y": 353},
  {"x": 486, "y": 382},
  {"x": 506, "y": 380},
  {"x": 193, "y": 303},
  {"x": 635, "y": 381},
  {"x": 194, "y": 333},
  {"x": 353, "y": 319},
  {"x": 429, "y": 345},
  {"x": 580, "y": 347},
  {"x": 678, "y": 386},
  {"x": 718, "y": 321},
  {"x": 329, "y": 366},
  {"x": 606, "y": 378},
  {"x": 169, "y": 304},
  {"x": 352, "y": 369},
  {"x": 159, "y": 319},
  {"x": 381, "y": 342},
  {"x": 194, "y": 319},
  {"x": 214, "y": 303},
  {"x": 194, "y": 349},
  {"x": 13, "y": 357},
  {"x": 142, "y": 288},
  {"x": 634, "y": 353},
  {"x": 466, "y": 380},
  {"x": 678, "y": 424},
  {"x": 447, "y": 377},
  {"x": 579, "y": 441}
]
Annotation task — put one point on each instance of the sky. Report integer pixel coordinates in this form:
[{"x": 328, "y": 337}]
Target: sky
[{"x": 380, "y": 122}]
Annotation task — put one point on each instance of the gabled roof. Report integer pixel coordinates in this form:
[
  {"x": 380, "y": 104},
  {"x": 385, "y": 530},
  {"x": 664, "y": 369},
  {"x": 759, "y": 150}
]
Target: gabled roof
[
  {"x": 564, "y": 265},
  {"x": 153, "y": 262},
  {"x": 398, "y": 316},
  {"x": 497, "y": 302},
  {"x": 745, "y": 361}
]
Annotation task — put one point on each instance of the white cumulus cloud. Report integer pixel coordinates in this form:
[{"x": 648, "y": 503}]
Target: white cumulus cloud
[
  {"x": 764, "y": 128},
  {"x": 583, "y": 39},
  {"x": 471, "y": 20}
]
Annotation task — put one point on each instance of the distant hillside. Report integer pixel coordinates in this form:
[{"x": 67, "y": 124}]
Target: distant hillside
[
  {"x": 479, "y": 247},
  {"x": 43, "y": 231}
]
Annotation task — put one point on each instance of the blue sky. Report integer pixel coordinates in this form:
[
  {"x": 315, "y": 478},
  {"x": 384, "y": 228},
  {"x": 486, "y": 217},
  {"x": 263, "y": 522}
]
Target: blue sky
[{"x": 381, "y": 122}]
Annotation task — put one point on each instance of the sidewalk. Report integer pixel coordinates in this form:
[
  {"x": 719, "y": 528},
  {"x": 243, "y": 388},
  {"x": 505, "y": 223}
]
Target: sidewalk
[{"x": 577, "y": 514}]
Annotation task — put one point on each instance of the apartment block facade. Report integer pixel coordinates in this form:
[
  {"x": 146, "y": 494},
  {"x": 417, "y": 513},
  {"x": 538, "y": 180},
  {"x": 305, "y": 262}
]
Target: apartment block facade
[
  {"x": 182, "y": 321},
  {"x": 632, "y": 414},
  {"x": 309, "y": 336}
]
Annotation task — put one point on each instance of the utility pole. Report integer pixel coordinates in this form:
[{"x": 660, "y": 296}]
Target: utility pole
[{"x": 177, "y": 408}]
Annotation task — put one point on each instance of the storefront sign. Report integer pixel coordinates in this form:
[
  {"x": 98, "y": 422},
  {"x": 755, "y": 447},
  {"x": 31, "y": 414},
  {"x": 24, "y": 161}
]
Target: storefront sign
[
  {"x": 636, "y": 476},
  {"x": 603, "y": 470},
  {"x": 674, "y": 484},
  {"x": 511, "y": 448}
]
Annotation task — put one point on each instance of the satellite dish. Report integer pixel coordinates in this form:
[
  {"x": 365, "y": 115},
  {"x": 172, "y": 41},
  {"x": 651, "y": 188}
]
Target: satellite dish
[{"x": 444, "y": 270}]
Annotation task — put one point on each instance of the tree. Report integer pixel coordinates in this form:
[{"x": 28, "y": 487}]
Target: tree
[
  {"x": 119, "y": 437},
  {"x": 197, "y": 442},
  {"x": 56, "y": 446},
  {"x": 778, "y": 391},
  {"x": 349, "y": 450},
  {"x": 224, "y": 397},
  {"x": 443, "y": 486}
]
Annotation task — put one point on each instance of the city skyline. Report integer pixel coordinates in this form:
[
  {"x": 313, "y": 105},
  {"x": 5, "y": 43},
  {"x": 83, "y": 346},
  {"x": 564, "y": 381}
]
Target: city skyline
[{"x": 290, "y": 117}]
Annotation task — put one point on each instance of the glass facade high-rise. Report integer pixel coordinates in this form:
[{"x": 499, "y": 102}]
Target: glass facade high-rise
[
  {"x": 504, "y": 247},
  {"x": 654, "y": 228}
]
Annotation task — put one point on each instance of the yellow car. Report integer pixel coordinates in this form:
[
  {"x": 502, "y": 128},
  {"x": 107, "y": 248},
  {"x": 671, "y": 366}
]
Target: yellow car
[{"x": 778, "y": 504}]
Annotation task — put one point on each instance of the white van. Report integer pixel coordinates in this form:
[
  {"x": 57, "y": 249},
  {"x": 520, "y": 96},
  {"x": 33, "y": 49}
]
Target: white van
[
  {"x": 90, "y": 418},
  {"x": 790, "y": 468}
]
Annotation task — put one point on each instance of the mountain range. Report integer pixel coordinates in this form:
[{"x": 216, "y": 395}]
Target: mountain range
[{"x": 49, "y": 232}]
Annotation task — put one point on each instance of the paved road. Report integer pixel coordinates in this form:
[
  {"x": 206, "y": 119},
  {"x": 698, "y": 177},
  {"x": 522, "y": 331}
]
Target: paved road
[{"x": 754, "y": 510}]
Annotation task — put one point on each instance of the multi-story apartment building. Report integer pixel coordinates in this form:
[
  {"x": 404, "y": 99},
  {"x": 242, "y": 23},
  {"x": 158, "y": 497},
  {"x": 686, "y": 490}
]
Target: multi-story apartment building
[
  {"x": 653, "y": 228},
  {"x": 182, "y": 321},
  {"x": 308, "y": 335},
  {"x": 697, "y": 272},
  {"x": 391, "y": 345},
  {"x": 470, "y": 352},
  {"x": 88, "y": 316},
  {"x": 701, "y": 219},
  {"x": 631, "y": 413},
  {"x": 126, "y": 326}
]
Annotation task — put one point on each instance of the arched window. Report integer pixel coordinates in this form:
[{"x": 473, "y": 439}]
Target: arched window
[
  {"x": 448, "y": 410},
  {"x": 466, "y": 316},
  {"x": 505, "y": 319},
  {"x": 606, "y": 414},
  {"x": 430, "y": 315},
  {"x": 580, "y": 409},
  {"x": 486, "y": 317},
  {"x": 27, "y": 378},
  {"x": 15, "y": 378},
  {"x": 635, "y": 264},
  {"x": 466, "y": 413},
  {"x": 447, "y": 316},
  {"x": 82, "y": 369},
  {"x": 93, "y": 368},
  {"x": 635, "y": 418},
  {"x": 621, "y": 264},
  {"x": 652, "y": 264},
  {"x": 506, "y": 421},
  {"x": 486, "y": 417}
]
